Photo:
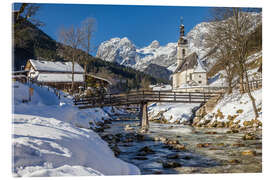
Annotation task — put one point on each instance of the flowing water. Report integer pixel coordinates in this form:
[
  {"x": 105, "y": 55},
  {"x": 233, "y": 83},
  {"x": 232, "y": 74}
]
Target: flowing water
[{"x": 223, "y": 152}]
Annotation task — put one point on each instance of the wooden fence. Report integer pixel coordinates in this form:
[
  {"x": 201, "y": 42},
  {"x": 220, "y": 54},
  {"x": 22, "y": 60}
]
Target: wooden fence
[{"x": 253, "y": 85}]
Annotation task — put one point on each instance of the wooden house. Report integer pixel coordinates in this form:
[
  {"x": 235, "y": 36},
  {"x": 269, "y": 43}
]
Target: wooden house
[{"x": 56, "y": 74}]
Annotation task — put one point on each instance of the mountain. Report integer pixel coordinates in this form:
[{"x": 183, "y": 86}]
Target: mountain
[
  {"x": 124, "y": 52},
  {"x": 158, "y": 71}
]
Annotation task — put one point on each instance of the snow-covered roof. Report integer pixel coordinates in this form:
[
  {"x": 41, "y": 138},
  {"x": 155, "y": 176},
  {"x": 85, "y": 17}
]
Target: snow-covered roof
[
  {"x": 57, "y": 77},
  {"x": 103, "y": 79},
  {"x": 200, "y": 67},
  {"x": 57, "y": 66},
  {"x": 189, "y": 63}
]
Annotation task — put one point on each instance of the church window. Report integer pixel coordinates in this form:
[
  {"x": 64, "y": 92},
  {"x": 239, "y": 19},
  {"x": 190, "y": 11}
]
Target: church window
[
  {"x": 200, "y": 76},
  {"x": 200, "y": 82},
  {"x": 183, "y": 53},
  {"x": 190, "y": 76}
]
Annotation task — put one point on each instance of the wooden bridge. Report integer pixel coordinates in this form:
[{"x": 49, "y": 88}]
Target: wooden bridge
[{"x": 142, "y": 98}]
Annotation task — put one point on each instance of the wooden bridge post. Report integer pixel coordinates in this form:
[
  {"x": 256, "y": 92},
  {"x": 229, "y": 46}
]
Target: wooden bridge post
[{"x": 144, "y": 116}]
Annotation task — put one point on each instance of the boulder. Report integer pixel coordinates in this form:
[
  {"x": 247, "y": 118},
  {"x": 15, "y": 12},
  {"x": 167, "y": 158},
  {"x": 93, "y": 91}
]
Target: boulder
[
  {"x": 171, "y": 164},
  {"x": 247, "y": 123},
  {"x": 140, "y": 158},
  {"x": 210, "y": 132},
  {"x": 116, "y": 150},
  {"x": 238, "y": 145},
  {"x": 203, "y": 145},
  {"x": 234, "y": 161},
  {"x": 172, "y": 156},
  {"x": 249, "y": 136},
  {"x": 249, "y": 153},
  {"x": 147, "y": 150},
  {"x": 179, "y": 147}
]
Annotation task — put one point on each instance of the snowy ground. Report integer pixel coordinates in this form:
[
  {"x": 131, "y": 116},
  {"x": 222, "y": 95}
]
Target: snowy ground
[
  {"x": 165, "y": 87},
  {"x": 238, "y": 105},
  {"x": 172, "y": 112},
  {"x": 51, "y": 138}
]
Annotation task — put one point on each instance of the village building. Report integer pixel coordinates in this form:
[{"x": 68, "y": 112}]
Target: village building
[
  {"x": 190, "y": 72},
  {"x": 55, "y": 74}
]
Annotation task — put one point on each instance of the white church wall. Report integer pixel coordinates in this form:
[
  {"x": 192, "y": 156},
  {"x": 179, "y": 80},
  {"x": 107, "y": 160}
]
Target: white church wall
[{"x": 200, "y": 78}]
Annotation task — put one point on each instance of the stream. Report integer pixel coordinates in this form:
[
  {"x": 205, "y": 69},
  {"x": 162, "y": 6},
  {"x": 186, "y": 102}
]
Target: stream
[{"x": 206, "y": 150}]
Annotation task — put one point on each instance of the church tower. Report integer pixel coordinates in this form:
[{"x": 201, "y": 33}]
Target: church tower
[{"x": 182, "y": 46}]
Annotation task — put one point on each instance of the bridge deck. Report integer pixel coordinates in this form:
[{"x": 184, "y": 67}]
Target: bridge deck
[{"x": 138, "y": 97}]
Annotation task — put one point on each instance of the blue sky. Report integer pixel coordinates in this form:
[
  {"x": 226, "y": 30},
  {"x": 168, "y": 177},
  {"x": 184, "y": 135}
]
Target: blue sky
[{"x": 141, "y": 24}]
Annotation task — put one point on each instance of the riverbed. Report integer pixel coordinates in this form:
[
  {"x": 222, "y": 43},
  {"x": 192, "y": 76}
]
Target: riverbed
[{"x": 215, "y": 150}]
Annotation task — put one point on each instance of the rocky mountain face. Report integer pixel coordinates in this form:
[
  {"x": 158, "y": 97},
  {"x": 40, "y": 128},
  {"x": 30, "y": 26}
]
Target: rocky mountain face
[
  {"x": 124, "y": 52},
  {"x": 158, "y": 71}
]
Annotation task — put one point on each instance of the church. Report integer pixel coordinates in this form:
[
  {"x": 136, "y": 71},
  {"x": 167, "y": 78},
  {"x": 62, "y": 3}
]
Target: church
[{"x": 190, "y": 71}]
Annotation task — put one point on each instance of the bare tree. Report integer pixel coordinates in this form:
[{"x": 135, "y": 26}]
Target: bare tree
[
  {"x": 88, "y": 27},
  {"x": 230, "y": 36},
  {"x": 72, "y": 38},
  {"x": 27, "y": 11},
  {"x": 243, "y": 24},
  {"x": 217, "y": 40}
]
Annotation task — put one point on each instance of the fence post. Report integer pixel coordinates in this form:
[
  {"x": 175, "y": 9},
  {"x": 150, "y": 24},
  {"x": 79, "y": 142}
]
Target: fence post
[
  {"x": 158, "y": 95},
  {"x": 189, "y": 96},
  {"x": 174, "y": 96},
  {"x": 204, "y": 97}
]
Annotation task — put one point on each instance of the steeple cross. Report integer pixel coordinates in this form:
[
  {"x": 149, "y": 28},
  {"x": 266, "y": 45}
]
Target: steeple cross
[{"x": 181, "y": 20}]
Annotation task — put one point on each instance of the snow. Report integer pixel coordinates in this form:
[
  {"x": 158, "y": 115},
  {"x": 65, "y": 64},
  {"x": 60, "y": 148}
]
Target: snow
[
  {"x": 200, "y": 67},
  {"x": 165, "y": 87},
  {"x": 254, "y": 56},
  {"x": 40, "y": 65},
  {"x": 66, "y": 170},
  {"x": 173, "y": 112},
  {"x": 51, "y": 137},
  {"x": 46, "y": 104},
  {"x": 230, "y": 104},
  {"x": 57, "y": 77}
]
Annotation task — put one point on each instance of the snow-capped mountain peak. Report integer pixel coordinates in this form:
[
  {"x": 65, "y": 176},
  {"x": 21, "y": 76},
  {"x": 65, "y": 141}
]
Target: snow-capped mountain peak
[{"x": 154, "y": 44}]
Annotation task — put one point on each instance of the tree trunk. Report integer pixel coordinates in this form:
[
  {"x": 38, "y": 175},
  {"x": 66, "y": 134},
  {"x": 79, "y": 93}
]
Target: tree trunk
[
  {"x": 242, "y": 90},
  {"x": 72, "y": 84},
  {"x": 251, "y": 97},
  {"x": 229, "y": 86},
  {"x": 85, "y": 74}
]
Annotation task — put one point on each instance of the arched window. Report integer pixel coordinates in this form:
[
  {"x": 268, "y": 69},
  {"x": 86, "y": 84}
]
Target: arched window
[{"x": 183, "y": 53}]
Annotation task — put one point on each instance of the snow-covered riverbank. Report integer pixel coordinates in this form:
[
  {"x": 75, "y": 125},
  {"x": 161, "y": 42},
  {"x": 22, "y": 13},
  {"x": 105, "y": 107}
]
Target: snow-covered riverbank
[{"x": 51, "y": 137}]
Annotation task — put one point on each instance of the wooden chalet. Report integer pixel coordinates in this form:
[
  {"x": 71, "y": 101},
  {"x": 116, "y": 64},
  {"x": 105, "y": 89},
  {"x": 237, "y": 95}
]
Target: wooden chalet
[{"x": 56, "y": 74}]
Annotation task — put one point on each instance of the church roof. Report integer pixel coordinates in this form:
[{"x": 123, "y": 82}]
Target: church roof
[
  {"x": 189, "y": 63},
  {"x": 200, "y": 67}
]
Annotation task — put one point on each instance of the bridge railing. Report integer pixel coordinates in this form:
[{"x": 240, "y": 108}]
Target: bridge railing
[{"x": 136, "y": 97}]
